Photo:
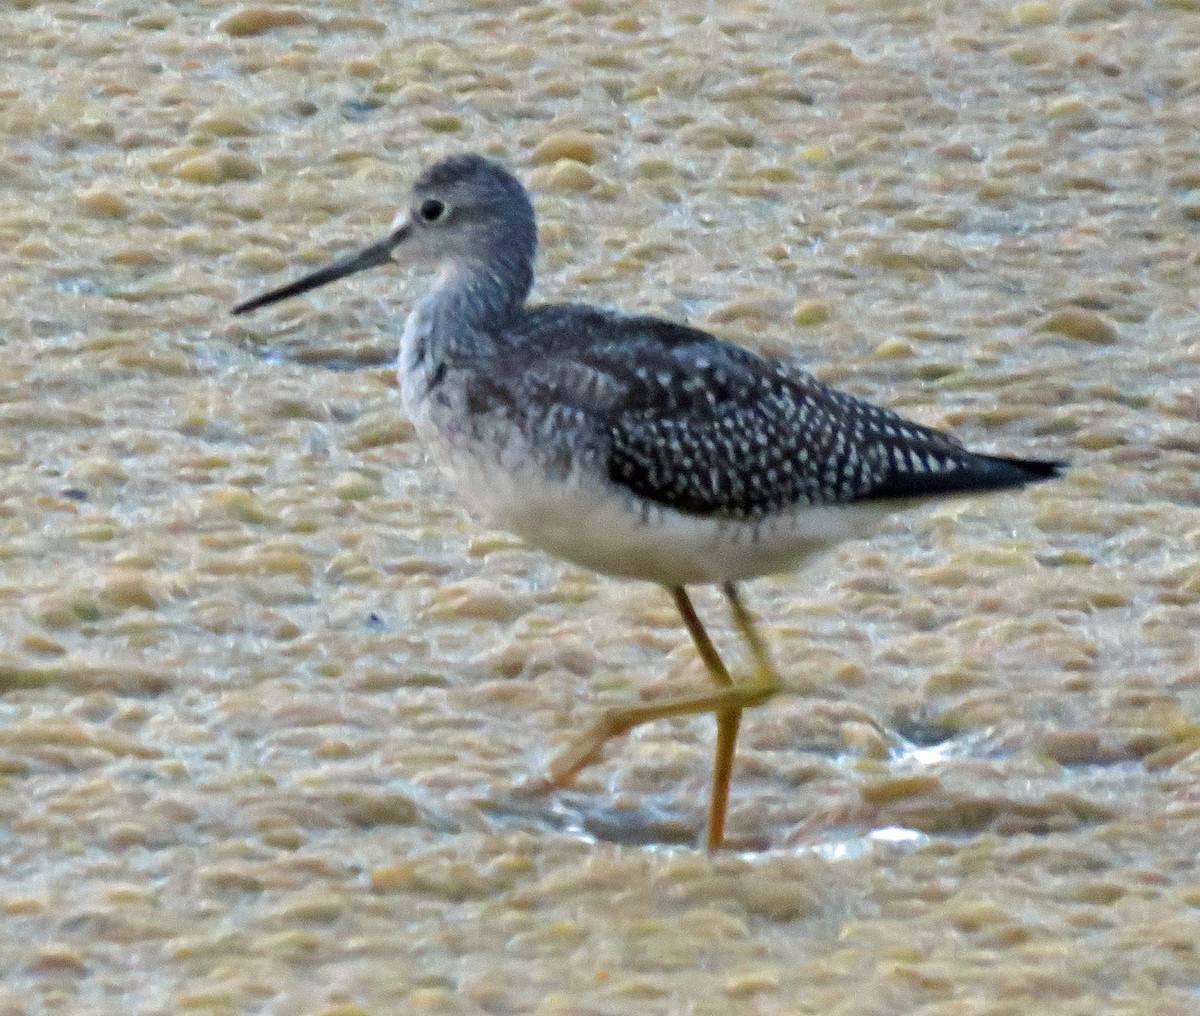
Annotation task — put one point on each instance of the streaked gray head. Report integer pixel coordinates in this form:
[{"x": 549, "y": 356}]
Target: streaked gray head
[
  {"x": 470, "y": 209},
  {"x": 465, "y": 211}
]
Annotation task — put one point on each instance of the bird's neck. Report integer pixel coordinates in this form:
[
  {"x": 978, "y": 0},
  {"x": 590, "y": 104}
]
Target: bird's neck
[{"x": 473, "y": 301}]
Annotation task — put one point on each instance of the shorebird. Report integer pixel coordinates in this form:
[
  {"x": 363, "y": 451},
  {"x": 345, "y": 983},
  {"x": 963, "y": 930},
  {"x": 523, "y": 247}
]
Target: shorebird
[{"x": 636, "y": 446}]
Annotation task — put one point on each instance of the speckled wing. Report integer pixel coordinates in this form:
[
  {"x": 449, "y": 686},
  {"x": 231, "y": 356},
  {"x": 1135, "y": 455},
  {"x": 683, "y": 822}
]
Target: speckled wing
[
  {"x": 713, "y": 430},
  {"x": 681, "y": 419}
]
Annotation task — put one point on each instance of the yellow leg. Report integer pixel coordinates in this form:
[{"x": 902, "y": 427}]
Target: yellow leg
[
  {"x": 708, "y": 652},
  {"x": 585, "y": 749},
  {"x": 728, "y": 722},
  {"x": 726, "y": 703},
  {"x": 764, "y": 672},
  {"x": 764, "y": 684}
]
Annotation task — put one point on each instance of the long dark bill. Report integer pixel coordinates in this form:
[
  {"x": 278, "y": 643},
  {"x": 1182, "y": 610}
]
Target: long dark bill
[{"x": 379, "y": 253}]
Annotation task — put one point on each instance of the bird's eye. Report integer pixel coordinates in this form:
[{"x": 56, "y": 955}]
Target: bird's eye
[{"x": 431, "y": 210}]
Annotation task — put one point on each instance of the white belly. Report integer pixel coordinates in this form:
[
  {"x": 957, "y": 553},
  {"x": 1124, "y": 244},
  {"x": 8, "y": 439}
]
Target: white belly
[{"x": 610, "y": 532}]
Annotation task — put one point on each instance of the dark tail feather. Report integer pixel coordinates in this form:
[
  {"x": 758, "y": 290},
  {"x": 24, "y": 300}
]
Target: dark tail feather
[
  {"x": 1018, "y": 472},
  {"x": 1027, "y": 470},
  {"x": 972, "y": 472}
]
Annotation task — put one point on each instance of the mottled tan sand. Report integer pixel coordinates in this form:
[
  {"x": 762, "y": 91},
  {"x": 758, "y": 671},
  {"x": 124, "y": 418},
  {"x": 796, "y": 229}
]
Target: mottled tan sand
[{"x": 270, "y": 703}]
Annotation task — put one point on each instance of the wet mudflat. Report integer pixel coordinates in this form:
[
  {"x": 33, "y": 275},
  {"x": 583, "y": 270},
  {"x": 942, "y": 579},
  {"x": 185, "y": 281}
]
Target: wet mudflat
[{"x": 270, "y": 704}]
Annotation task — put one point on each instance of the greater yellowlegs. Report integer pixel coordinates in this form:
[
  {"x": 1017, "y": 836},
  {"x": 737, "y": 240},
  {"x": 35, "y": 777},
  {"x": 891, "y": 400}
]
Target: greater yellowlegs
[{"x": 635, "y": 446}]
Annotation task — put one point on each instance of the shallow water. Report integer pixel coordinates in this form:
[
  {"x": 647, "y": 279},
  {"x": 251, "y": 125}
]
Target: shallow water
[{"x": 272, "y": 707}]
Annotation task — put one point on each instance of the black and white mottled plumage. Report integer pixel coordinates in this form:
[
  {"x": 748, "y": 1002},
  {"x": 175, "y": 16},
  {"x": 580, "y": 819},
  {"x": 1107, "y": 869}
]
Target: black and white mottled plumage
[
  {"x": 694, "y": 424},
  {"x": 630, "y": 444}
]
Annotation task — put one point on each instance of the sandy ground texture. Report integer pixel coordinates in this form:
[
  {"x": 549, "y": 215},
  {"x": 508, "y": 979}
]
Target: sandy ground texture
[{"x": 270, "y": 704}]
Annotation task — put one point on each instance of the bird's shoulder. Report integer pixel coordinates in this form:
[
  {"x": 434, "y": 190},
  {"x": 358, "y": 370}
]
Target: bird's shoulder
[{"x": 630, "y": 363}]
